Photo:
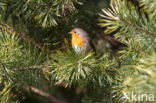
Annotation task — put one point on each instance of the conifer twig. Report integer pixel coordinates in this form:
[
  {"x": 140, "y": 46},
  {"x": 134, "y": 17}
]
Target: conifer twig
[
  {"x": 22, "y": 36},
  {"x": 138, "y": 27},
  {"x": 50, "y": 97}
]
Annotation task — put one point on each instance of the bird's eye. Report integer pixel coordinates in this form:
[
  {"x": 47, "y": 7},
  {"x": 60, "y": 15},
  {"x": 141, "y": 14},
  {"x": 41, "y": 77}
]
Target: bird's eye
[{"x": 75, "y": 32}]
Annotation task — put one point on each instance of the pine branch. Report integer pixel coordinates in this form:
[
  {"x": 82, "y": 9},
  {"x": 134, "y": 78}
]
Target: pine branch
[
  {"x": 6, "y": 28},
  {"x": 44, "y": 94},
  {"x": 137, "y": 27},
  {"x": 116, "y": 18}
]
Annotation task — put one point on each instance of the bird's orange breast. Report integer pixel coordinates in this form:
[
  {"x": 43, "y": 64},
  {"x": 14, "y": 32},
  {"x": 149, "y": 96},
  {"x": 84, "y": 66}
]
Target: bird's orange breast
[{"x": 77, "y": 40}]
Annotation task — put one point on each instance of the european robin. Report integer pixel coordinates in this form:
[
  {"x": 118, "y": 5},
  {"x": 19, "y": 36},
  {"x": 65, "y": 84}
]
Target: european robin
[{"x": 80, "y": 41}]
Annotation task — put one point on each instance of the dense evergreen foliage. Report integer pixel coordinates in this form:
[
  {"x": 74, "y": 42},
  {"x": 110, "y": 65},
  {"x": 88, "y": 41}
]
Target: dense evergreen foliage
[{"x": 38, "y": 65}]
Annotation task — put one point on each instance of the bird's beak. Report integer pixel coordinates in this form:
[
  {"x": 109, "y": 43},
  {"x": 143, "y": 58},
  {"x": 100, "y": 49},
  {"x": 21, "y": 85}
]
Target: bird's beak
[{"x": 70, "y": 32}]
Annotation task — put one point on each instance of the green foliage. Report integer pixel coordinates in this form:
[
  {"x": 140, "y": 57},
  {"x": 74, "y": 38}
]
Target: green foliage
[
  {"x": 10, "y": 53},
  {"x": 36, "y": 24},
  {"x": 127, "y": 19},
  {"x": 13, "y": 54},
  {"x": 6, "y": 96},
  {"x": 137, "y": 29},
  {"x": 88, "y": 73},
  {"x": 76, "y": 69},
  {"x": 149, "y": 7},
  {"x": 73, "y": 68},
  {"x": 145, "y": 81},
  {"x": 8, "y": 56},
  {"x": 44, "y": 12},
  {"x": 14, "y": 57}
]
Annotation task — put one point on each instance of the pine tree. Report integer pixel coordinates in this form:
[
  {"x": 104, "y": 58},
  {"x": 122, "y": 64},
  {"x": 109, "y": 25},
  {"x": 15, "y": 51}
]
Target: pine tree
[{"x": 38, "y": 65}]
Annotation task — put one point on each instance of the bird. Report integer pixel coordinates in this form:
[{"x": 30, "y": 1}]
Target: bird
[{"x": 82, "y": 43}]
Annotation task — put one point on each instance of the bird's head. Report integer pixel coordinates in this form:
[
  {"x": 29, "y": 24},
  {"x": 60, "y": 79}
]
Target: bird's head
[{"x": 78, "y": 32}]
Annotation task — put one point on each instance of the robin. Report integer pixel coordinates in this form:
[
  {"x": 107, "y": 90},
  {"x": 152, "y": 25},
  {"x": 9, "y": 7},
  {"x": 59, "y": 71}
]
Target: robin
[{"x": 82, "y": 43}]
